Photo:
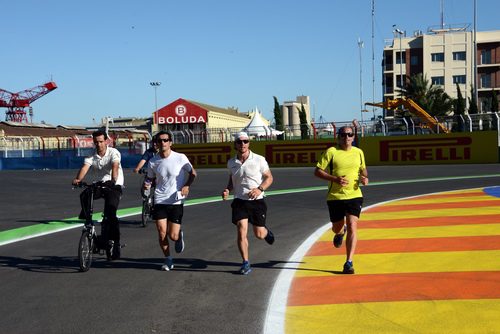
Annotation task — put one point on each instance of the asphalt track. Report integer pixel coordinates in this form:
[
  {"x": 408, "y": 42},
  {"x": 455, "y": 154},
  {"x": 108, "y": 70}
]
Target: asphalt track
[{"x": 43, "y": 291}]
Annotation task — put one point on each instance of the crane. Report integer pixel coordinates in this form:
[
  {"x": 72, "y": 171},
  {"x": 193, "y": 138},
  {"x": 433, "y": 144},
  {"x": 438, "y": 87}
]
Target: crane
[
  {"x": 16, "y": 103},
  {"x": 414, "y": 108}
]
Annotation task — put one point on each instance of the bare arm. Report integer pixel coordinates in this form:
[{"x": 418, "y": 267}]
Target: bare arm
[
  {"x": 229, "y": 187},
  {"x": 322, "y": 174},
  {"x": 363, "y": 176},
  {"x": 139, "y": 165},
  {"x": 267, "y": 180},
  {"x": 185, "y": 188},
  {"x": 114, "y": 171},
  {"x": 81, "y": 174}
]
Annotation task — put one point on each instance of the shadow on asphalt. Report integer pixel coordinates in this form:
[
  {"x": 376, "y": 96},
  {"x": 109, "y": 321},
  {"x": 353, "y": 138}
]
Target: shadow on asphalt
[{"x": 69, "y": 264}]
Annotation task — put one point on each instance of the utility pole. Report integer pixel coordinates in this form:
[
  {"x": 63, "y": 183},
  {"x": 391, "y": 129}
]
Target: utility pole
[{"x": 155, "y": 85}]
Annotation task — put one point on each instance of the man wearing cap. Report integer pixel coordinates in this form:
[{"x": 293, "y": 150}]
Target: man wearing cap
[{"x": 249, "y": 177}]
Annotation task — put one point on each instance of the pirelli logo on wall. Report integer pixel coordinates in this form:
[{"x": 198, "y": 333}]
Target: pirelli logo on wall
[
  {"x": 295, "y": 154},
  {"x": 426, "y": 149},
  {"x": 207, "y": 155},
  {"x": 455, "y": 148}
]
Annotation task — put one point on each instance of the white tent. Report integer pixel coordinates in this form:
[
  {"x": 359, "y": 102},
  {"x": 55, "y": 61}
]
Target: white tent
[{"x": 257, "y": 127}]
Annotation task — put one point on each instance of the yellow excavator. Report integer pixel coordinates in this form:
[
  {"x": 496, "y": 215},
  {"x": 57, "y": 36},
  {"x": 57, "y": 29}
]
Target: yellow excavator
[{"x": 414, "y": 108}]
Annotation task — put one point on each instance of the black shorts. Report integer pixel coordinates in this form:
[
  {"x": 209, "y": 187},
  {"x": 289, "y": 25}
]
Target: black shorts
[
  {"x": 255, "y": 211},
  {"x": 340, "y": 208},
  {"x": 173, "y": 213}
]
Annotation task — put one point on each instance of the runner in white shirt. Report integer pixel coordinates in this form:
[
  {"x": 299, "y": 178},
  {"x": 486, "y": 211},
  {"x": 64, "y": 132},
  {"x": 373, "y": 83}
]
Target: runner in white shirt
[
  {"x": 249, "y": 177},
  {"x": 172, "y": 174}
]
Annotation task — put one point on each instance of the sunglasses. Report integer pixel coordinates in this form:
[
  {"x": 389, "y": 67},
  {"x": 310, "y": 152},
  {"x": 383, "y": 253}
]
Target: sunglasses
[
  {"x": 164, "y": 140},
  {"x": 242, "y": 141},
  {"x": 345, "y": 135}
]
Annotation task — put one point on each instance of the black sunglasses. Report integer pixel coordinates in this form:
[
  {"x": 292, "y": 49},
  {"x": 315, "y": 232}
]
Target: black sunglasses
[
  {"x": 344, "y": 134},
  {"x": 242, "y": 141},
  {"x": 164, "y": 140}
]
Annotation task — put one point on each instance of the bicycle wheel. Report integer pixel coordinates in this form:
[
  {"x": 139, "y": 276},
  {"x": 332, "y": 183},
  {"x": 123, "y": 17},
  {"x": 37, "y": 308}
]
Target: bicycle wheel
[
  {"x": 146, "y": 213},
  {"x": 85, "y": 251}
]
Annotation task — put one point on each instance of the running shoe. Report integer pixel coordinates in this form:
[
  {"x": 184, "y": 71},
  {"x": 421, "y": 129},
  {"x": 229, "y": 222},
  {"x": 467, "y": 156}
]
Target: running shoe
[
  {"x": 348, "y": 268},
  {"x": 269, "y": 237},
  {"x": 109, "y": 250},
  {"x": 179, "y": 243},
  {"x": 245, "y": 268},
  {"x": 168, "y": 264},
  {"x": 338, "y": 238},
  {"x": 116, "y": 252}
]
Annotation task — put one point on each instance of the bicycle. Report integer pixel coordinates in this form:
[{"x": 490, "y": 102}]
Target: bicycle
[
  {"x": 147, "y": 201},
  {"x": 90, "y": 242}
]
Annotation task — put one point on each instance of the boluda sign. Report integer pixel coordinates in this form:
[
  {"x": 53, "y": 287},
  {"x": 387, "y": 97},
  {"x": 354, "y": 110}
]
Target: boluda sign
[{"x": 181, "y": 112}]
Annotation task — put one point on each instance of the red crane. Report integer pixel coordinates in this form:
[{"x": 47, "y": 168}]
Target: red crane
[{"x": 16, "y": 103}]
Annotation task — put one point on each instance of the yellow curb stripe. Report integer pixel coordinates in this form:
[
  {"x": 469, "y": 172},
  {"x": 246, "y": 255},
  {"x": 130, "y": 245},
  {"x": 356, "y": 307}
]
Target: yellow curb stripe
[
  {"x": 422, "y": 232},
  {"x": 386, "y": 263},
  {"x": 429, "y": 317}
]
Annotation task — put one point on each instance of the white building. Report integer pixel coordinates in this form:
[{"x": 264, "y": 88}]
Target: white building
[{"x": 445, "y": 56}]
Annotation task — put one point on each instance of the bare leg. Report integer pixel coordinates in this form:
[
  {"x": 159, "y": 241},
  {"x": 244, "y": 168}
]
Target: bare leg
[
  {"x": 242, "y": 238},
  {"x": 352, "y": 236},
  {"x": 161, "y": 226}
]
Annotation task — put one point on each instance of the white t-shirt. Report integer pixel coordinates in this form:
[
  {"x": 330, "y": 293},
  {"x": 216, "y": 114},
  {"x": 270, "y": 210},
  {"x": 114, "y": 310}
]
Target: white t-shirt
[
  {"x": 101, "y": 167},
  {"x": 247, "y": 175},
  {"x": 171, "y": 174}
]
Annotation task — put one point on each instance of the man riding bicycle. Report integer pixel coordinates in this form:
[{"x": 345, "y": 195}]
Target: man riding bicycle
[{"x": 105, "y": 167}]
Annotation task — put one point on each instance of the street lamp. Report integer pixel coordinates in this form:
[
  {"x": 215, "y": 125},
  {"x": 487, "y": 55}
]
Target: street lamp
[
  {"x": 400, "y": 33},
  {"x": 361, "y": 45},
  {"x": 155, "y": 85}
]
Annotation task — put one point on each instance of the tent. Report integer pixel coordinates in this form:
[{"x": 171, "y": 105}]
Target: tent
[{"x": 257, "y": 127}]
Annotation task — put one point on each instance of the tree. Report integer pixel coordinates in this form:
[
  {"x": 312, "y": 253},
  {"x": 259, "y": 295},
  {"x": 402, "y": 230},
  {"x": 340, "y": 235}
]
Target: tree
[
  {"x": 459, "y": 102},
  {"x": 304, "y": 127},
  {"x": 472, "y": 102},
  {"x": 494, "y": 101},
  {"x": 433, "y": 99},
  {"x": 278, "y": 117}
]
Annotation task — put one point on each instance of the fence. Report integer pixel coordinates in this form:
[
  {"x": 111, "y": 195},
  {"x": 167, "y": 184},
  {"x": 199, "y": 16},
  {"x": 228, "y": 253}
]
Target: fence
[{"x": 32, "y": 147}]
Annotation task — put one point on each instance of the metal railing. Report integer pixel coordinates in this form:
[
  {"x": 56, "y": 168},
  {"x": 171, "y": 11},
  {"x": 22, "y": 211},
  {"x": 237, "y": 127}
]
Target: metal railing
[{"x": 32, "y": 146}]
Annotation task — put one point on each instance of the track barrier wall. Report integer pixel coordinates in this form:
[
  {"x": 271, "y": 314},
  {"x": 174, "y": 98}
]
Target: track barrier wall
[{"x": 453, "y": 148}]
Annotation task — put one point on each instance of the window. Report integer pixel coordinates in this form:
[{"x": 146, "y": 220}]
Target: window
[
  {"x": 486, "y": 57},
  {"x": 414, "y": 60},
  {"x": 437, "y": 57},
  {"x": 459, "y": 55},
  {"x": 398, "y": 58},
  {"x": 398, "y": 81},
  {"x": 459, "y": 79},
  {"x": 486, "y": 81},
  {"x": 438, "y": 81}
]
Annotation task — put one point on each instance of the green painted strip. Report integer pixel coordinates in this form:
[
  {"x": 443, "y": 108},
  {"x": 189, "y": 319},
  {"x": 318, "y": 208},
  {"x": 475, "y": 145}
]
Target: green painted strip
[{"x": 27, "y": 232}]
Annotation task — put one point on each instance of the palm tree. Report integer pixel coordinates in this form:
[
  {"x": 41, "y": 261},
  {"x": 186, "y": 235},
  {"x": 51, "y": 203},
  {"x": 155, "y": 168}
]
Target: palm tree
[{"x": 432, "y": 99}]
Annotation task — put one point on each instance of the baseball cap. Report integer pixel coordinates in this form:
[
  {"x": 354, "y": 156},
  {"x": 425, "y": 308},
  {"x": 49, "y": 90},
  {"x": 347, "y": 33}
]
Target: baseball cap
[{"x": 241, "y": 135}]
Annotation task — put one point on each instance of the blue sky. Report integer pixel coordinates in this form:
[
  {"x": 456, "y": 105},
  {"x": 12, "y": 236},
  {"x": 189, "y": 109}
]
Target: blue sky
[{"x": 228, "y": 53}]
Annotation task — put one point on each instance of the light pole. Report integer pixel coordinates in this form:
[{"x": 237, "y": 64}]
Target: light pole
[
  {"x": 400, "y": 33},
  {"x": 155, "y": 85},
  {"x": 361, "y": 45}
]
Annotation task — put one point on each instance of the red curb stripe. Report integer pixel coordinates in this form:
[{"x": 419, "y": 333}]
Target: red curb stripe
[
  {"x": 478, "y": 192},
  {"x": 434, "y": 221},
  {"x": 444, "y": 244},
  {"x": 342, "y": 289}
]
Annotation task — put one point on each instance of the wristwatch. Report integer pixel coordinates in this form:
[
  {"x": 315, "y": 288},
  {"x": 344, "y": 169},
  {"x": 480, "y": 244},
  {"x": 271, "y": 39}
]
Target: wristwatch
[{"x": 260, "y": 188}]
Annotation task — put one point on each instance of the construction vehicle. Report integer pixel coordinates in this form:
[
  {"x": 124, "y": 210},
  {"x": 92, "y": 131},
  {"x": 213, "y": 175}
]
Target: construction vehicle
[
  {"x": 427, "y": 120},
  {"x": 17, "y": 103}
]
